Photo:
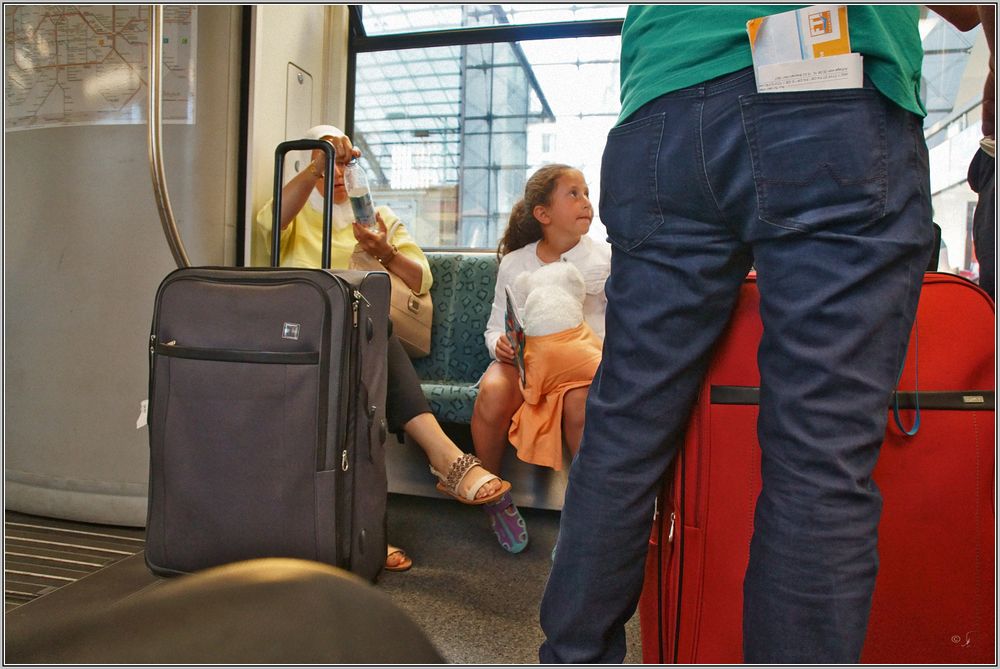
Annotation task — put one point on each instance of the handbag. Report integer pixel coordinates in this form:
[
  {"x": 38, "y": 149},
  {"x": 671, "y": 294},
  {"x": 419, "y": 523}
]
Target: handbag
[{"x": 411, "y": 314}]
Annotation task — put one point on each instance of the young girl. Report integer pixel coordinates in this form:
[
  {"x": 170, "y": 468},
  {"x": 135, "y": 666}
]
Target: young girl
[{"x": 548, "y": 225}]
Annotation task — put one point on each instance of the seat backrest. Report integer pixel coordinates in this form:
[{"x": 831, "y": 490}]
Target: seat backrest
[{"x": 462, "y": 293}]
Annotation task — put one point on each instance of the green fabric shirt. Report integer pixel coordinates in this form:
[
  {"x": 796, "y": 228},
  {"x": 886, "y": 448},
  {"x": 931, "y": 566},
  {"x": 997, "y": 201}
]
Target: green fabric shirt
[{"x": 666, "y": 48}]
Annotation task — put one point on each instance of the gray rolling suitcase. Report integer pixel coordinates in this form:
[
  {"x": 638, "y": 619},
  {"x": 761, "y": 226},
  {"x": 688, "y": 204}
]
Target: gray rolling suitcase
[{"x": 267, "y": 413}]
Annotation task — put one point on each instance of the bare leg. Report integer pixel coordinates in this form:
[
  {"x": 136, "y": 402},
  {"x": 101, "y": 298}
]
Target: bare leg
[
  {"x": 441, "y": 452},
  {"x": 498, "y": 400},
  {"x": 574, "y": 408}
]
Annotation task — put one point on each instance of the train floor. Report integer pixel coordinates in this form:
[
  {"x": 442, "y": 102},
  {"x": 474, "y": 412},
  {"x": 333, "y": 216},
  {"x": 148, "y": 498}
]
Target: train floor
[{"x": 477, "y": 603}]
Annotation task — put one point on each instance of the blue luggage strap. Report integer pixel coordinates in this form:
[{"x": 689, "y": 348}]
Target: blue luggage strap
[{"x": 916, "y": 388}]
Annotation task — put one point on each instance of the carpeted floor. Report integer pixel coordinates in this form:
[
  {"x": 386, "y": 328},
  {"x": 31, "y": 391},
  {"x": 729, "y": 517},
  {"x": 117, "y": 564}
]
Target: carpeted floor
[{"x": 477, "y": 602}]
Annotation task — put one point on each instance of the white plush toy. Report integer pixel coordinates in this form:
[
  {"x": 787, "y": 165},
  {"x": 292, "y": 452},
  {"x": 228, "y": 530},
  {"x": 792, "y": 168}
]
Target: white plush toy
[{"x": 550, "y": 299}]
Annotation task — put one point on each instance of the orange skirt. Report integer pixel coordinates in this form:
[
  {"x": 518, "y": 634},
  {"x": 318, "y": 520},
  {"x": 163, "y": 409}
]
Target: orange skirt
[{"x": 554, "y": 364}]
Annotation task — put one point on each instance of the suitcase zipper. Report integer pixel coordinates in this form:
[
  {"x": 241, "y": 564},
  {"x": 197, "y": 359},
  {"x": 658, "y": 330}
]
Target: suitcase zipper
[
  {"x": 171, "y": 349},
  {"x": 356, "y": 298},
  {"x": 345, "y": 534}
]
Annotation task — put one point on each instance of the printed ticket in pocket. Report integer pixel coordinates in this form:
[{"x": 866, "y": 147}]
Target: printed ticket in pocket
[{"x": 804, "y": 49}]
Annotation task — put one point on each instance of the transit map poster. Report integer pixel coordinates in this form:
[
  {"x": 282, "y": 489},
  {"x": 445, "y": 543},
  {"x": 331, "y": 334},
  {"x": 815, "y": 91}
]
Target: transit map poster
[{"x": 88, "y": 64}]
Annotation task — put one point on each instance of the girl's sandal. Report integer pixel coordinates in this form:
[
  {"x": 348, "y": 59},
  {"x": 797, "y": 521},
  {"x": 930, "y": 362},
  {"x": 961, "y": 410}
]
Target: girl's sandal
[
  {"x": 508, "y": 524},
  {"x": 459, "y": 468}
]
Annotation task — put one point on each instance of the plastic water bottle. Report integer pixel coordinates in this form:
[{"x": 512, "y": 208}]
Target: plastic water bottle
[{"x": 356, "y": 183}]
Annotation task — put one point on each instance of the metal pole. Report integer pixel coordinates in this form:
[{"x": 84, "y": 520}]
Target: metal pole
[{"x": 154, "y": 126}]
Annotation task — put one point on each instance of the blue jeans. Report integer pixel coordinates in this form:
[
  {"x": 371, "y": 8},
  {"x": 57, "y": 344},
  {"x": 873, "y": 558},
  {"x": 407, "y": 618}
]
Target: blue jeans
[{"x": 827, "y": 194}]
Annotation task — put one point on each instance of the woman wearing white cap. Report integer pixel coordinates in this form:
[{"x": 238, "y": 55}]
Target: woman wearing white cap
[{"x": 461, "y": 474}]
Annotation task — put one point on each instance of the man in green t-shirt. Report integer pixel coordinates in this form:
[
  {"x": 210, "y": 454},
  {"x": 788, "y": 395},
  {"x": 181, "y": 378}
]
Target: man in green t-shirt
[{"x": 826, "y": 193}]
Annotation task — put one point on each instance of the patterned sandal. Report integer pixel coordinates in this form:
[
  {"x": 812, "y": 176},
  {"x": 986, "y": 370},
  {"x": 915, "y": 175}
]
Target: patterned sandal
[
  {"x": 508, "y": 525},
  {"x": 449, "y": 484}
]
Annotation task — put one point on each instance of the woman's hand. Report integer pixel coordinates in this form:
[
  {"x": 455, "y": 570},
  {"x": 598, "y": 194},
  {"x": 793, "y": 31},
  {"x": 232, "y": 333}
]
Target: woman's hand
[
  {"x": 373, "y": 241},
  {"x": 504, "y": 351},
  {"x": 344, "y": 151},
  {"x": 378, "y": 247}
]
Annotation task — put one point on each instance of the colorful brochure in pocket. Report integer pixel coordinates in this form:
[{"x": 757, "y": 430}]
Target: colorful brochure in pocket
[
  {"x": 514, "y": 329},
  {"x": 806, "y": 49}
]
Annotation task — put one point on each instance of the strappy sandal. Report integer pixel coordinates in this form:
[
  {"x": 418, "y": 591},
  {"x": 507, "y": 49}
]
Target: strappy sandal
[
  {"x": 403, "y": 565},
  {"x": 449, "y": 484}
]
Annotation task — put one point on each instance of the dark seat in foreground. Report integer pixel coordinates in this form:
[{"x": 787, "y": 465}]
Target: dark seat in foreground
[{"x": 268, "y": 611}]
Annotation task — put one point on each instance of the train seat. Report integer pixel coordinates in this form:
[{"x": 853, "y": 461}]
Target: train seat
[{"x": 462, "y": 294}]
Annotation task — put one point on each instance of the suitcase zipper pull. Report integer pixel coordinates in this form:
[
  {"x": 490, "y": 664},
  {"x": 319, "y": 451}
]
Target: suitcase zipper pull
[
  {"x": 343, "y": 461},
  {"x": 356, "y": 304},
  {"x": 670, "y": 534}
]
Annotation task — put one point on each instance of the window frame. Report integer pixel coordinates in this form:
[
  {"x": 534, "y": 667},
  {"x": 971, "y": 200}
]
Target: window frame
[{"x": 359, "y": 42}]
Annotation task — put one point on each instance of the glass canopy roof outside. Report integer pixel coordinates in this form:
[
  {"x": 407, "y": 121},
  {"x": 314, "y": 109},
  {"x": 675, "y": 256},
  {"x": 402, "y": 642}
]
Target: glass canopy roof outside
[
  {"x": 392, "y": 19},
  {"x": 946, "y": 55}
]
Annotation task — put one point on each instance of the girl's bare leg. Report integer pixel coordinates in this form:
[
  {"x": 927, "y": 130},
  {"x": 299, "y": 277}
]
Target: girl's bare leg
[
  {"x": 498, "y": 400},
  {"x": 574, "y": 409}
]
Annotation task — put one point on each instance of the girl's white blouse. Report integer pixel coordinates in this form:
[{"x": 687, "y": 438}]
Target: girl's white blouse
[{"x": 591, "y": 257}]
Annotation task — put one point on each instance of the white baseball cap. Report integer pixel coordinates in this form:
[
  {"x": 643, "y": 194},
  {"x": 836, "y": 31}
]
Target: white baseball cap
[{"x": 321, "y": 131}]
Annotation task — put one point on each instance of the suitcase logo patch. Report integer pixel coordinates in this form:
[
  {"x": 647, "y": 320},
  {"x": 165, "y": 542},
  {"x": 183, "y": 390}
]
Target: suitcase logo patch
[{"x": 290, "y": 331}]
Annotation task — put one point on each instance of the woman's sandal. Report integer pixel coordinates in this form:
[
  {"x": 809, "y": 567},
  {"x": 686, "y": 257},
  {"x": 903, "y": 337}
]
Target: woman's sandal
[
  {"x": 403, "y": 564},
  {"x": 508, "y": 525},
  {"x": 449, "y": 484}
]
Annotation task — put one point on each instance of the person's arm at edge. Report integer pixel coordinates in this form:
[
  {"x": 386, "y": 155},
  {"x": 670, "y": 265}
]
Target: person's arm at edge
[
  {"x": 963, "y": 17},
  {"x": 988, "y": 19}
]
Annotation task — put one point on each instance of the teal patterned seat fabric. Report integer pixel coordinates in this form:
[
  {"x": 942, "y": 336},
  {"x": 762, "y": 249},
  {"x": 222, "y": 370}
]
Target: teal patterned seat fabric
[{"x": 462, "y": 293}]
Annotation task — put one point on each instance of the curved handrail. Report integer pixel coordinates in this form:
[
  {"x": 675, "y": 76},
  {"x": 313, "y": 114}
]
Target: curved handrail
[{"x": 154, "y": 126}]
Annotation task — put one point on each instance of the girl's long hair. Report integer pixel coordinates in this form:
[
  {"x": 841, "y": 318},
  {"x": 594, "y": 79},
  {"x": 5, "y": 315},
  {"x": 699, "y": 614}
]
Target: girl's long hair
[{"x": 522, "y": 227}]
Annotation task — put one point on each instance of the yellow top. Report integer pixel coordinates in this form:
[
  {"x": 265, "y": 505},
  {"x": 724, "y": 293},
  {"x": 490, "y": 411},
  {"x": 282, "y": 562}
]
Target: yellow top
[{"x": 302, "y": 240}]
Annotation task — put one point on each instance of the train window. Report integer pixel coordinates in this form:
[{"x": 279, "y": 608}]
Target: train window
[
  {"x": 385, "y": 19},
  {"x": 452, "y": 125}
]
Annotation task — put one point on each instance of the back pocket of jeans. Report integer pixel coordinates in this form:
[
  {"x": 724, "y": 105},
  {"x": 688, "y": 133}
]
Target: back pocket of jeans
[
  {"x": 819, "y": 157},
  {"x": 630, "y": 208}
]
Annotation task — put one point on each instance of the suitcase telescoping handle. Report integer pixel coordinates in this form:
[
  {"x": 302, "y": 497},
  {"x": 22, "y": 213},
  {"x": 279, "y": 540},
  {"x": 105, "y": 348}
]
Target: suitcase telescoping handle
[{"x": 279, "y": 164}]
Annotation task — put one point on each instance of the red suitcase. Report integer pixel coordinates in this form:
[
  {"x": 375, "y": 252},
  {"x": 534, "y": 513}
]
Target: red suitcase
[{"x": 934, "y": 594}]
